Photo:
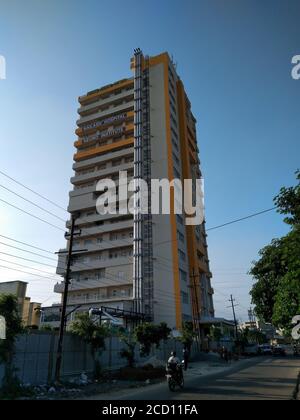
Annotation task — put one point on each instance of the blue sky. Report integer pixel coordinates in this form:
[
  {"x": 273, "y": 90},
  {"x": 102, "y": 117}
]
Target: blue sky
[{"x": 234, "y": 57}]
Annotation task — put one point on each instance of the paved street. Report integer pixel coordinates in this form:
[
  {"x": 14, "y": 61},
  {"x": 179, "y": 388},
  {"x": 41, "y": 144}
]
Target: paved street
[{"x": 257, "y": 379}]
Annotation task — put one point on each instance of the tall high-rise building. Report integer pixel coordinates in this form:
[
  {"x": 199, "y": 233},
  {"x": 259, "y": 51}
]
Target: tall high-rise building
[{"x": 153, "y": 264}]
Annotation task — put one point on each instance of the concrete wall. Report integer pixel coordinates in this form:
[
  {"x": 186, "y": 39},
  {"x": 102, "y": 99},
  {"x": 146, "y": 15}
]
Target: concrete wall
[
  {"x": 36, "y": 353},
  {"x": 164, "y": 308}
]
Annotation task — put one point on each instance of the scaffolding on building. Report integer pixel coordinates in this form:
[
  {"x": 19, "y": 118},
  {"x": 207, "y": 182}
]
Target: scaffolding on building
[{"x": 143, "y": 237}]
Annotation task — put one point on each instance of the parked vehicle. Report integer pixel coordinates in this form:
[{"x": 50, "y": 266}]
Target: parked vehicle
[
  {"x": 251, "y": 350},
  {"x": 265, "y": 350},
  {"x": 279, "y": 351}
]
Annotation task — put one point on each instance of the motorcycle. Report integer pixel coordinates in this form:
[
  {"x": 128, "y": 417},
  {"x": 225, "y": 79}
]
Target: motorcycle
[{"x": 175, "y": 377}]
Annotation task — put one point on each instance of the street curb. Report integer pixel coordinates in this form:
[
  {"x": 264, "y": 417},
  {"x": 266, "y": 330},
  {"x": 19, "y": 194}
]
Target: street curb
[{"x": 297, "y": 389}]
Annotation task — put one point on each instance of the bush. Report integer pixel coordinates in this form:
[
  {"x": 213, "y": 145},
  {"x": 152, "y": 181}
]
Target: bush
[{"x": 148, "y": 334}]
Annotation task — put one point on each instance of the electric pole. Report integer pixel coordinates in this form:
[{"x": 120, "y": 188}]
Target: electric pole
[
  {"x": 196, "y": 310},
  {"x": 64, "y": 305},
  {"x": 233, "y": 306}
]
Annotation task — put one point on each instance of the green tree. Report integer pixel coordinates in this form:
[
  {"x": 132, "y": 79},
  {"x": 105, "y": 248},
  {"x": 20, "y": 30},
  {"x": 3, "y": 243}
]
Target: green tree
[
  {"x": 215, "y": 334},
  {"x": 288, "y": 203},
  {"x": 92, "y": 333},
  {"x": 187, "y": 335},
  {"x": 128, "y": 352},
  {"x": 268, "y": 272},
  {"x": 14, "y": 327},
  {"x": 276, "y": 294},
  {"x": 148, "y": 334}
]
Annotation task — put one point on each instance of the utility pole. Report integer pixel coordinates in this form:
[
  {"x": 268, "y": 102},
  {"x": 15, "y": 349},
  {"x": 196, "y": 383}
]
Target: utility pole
[
  {"x": 64, "y": 305},
  {"x": 234, "y": 315},
  {"x": 196, "y": 311}
]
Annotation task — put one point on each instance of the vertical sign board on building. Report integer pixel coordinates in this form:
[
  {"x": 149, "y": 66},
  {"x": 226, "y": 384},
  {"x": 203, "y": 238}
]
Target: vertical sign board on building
[{"x": 2, "y": 328}]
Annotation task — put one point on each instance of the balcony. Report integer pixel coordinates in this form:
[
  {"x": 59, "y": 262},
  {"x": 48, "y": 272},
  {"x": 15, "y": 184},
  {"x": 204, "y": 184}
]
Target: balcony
[
  {"x": 107, "y": 122},
  {"x": 101, "y": 159},
  {"x": 107, "y": 113},
  {"x": 94, "y": 95},
  {"x": 103, "y": 149},
  {"x": 97, "y": 175},
  {"x": 99, "y": 264},
  {"x": 104, "y": 102},
  {"x": 105, "y": 228},
  {"x": 98, "y": 299}
]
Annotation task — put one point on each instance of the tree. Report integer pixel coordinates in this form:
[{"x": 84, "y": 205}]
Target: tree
[
  {"x": 148, "y": 334},
  {"x": 128, "y": 352},
  {"x": 92, "y": 333},
  {"x": 249, "y": 336},
  {"x": 287, "y": 302},
  {"x": 268, "y": 272},
  {"x": 288, "y": 202},
  {"x": 14, "y": 327},
  {"x": 215, "y": 334},
  {"x": 276, "y": 294},
  {"x": 187, "y": 335}
]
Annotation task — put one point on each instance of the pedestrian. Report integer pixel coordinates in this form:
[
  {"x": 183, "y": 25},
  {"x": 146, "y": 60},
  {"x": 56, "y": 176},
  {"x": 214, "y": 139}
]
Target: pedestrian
[
  {"x": 186, "y": 355},
  {"x": 226, "y": 357}
]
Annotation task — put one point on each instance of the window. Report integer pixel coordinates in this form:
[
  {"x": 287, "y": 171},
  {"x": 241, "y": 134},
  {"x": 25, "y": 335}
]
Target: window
[
  {"x": 183, "y": 276},
  {"x": 174, "y": 142},
  {"x": 117, "y": 162},
  {"x": 121, "y": 275},
  {"x": 185, "y": 297},
  {"x": 101, "y": 167},
  {"x": 180, "y": 219},
  {"x": 182, "y": 255},
  {"x": 177, "y": 174},
  {"x": 100, "y": 274},
  {"x": 180, "y": 236},
  {"x": 176, "y": 159}
]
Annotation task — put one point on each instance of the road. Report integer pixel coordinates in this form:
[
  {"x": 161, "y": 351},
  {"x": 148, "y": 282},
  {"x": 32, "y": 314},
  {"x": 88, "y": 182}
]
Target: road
[{"x": 256, "y": 379}]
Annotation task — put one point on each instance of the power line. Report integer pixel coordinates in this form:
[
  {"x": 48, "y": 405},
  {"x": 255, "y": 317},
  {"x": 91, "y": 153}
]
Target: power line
[
  {"x": 242, "y": 219},
  {"x": 26, "y": 259},
  {"x": 29, "y": 252},
  {"x": 34, "y": 204},
  {"x": 26, "y": 272},
  {"x": 26, "y": 266},
  {"x": 31, "y": 215},
  {"x": 34, "y": 192},
  {"x": 24, "y": 243}
]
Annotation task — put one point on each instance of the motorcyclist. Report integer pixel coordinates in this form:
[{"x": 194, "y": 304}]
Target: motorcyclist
[
  {"x": 173, "y": 360},
  {"x": 174, "y": 366}
]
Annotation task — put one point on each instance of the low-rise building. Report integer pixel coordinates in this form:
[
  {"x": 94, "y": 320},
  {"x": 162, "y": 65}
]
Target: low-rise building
[{"x": 29, "y": 311}]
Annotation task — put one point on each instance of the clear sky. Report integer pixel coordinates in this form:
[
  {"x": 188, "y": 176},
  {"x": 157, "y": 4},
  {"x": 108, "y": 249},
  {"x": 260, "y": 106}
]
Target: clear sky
[{"x": 234, "y": 57}]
